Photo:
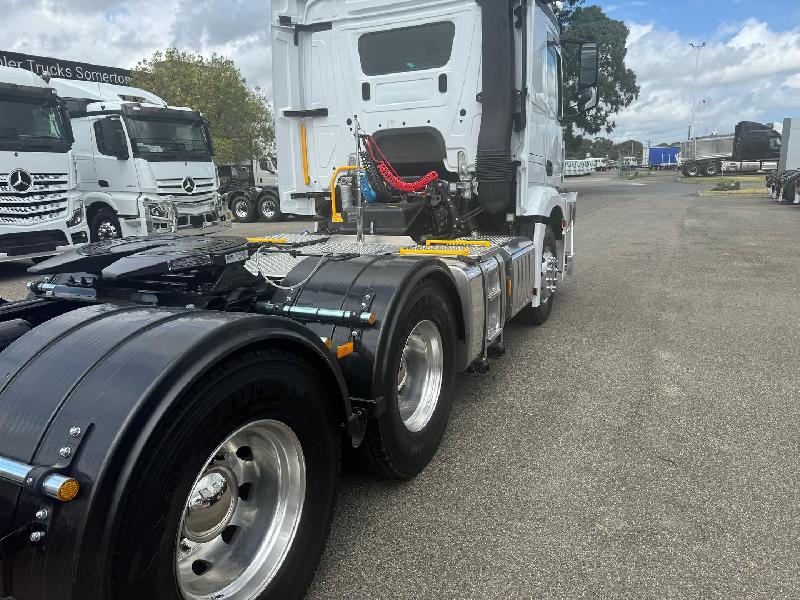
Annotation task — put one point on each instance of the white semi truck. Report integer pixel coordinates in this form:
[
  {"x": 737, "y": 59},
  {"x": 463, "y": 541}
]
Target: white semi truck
[
  {"x": 41, "y": 212},
  {"x": 143, "y": 167},
  {"x": 173, "y": 410}
]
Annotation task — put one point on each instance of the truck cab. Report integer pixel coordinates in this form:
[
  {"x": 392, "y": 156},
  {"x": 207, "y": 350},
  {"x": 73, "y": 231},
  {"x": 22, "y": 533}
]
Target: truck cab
[
  {"x": 465, "y": 89},
  {"x": 41, "y": 212},
  {"x": 143, "y": 167}
]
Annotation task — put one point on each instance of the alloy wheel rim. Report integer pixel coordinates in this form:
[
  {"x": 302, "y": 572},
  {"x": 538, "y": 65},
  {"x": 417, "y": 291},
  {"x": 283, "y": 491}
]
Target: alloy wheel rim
[
  {"x": 242, "y": 514},
  {"x": 420, "y": 375},
  {"x": 107, "y": 231}
]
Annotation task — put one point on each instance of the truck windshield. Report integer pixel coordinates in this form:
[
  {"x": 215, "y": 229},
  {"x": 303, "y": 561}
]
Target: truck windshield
[
  {"x": 32, "y": 125},
  {"x": 161, "y": 139}
]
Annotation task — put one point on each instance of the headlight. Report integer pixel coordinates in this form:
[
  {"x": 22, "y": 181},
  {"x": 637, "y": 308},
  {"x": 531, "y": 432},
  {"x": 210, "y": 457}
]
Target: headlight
[{"x": 77, "y": 215}]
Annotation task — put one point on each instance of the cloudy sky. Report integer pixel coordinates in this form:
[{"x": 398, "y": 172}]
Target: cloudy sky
[{"x": 750, "y": 68}]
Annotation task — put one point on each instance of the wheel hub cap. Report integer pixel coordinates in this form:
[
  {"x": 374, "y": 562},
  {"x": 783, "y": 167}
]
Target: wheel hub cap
[
  {"x": 419, "y": 375},
  {"x": 268, "y": 208},
  {"x": 241, "y": 209},
  {"x": 549, "y": 275},
  {"x": 106, "y": 231},
  {"x": 211, "y": 505}
]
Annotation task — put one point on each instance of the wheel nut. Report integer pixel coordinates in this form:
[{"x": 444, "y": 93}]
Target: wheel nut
[
  {"x": 75, "y": 431},
  {"x": 37, "y": 536},
  {"x": 41, "y": 514},
  {"x": 65, "y": 451}
]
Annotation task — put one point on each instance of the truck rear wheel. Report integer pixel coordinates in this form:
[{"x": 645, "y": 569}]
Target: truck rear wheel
[
  {"x": 711, "y": 169},
  {"x": 234, "y": 496},
  {"x": 269, "y": 208},
  {"x": 538, "y": 315},
  {"x": 419, "y": 387},
  {"x": 691, "y": 170}
]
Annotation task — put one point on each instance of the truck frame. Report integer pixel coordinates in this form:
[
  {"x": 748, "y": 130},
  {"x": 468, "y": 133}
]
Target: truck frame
[{"x": 173, "y": 412}]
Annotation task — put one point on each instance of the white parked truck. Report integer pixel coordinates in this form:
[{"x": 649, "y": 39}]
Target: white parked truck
[
  {"x": 41, "y": 212},
  {"x": 143, "y": 167},
  {"x": 173, "y": 408}
]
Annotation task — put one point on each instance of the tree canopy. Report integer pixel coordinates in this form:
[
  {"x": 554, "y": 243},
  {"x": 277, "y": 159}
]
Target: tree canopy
[
  {"x": 240, "y": 117},
  {"x": 617, "y": 83}
]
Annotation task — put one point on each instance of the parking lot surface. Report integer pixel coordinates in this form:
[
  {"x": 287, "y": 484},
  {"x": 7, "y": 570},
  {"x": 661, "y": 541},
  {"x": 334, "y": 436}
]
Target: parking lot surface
[{"x": 641, "y": 444}]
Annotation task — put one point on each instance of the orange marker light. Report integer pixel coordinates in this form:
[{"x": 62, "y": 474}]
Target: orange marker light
[{"x": 68, "y": 490}]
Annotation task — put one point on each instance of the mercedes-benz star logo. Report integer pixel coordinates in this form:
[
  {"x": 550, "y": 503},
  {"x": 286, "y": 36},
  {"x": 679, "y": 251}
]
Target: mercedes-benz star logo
[
  {"x": 21, "y": 180},
  {"x": 188, "y": 185}
]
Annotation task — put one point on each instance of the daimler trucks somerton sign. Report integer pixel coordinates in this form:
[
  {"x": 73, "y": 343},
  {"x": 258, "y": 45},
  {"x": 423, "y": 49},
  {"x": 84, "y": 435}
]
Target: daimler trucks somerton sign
[{"x": 65, "y": 69}]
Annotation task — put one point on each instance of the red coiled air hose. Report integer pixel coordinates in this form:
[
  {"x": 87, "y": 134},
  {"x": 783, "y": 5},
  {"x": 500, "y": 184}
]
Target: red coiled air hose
[{"x": 406, "y": 186}]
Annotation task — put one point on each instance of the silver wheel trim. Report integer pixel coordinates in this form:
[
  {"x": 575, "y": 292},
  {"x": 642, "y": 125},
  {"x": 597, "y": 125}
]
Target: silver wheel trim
[
  {"x": 419, "y": 375},
  {"x": 240, "y": 209},
  {"x": 268, "y": 208},
  {"x": 230, "y": 544},
  {"x": 549, "y": 275},
  {"x": 107, "y": 231}
]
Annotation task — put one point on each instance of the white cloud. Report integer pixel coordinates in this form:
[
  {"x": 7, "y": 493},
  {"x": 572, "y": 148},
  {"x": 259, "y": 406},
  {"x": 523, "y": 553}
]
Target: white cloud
[
  {"x": 119, "y": 33},
  {"x": 747, "y": 72}
]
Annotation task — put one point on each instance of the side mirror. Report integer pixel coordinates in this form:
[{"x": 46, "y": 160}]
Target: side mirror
[
  {"x": 209, "y": 139},
  {"x": 62, "y": 109},
  {"x": 588, "y": 76}
]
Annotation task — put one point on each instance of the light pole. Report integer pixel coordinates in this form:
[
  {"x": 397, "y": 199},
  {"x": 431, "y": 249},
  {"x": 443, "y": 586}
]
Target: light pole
[{"x": 697, "y": 47}]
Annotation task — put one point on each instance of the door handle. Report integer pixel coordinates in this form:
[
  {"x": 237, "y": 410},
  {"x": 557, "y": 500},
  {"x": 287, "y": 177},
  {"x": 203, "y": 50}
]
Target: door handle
[
  {"x": 443, "y": 82},
  {"x": 549, "y": 168},
  {"x": 365, "y": 91},
  {"x": 102, "y": 183}
]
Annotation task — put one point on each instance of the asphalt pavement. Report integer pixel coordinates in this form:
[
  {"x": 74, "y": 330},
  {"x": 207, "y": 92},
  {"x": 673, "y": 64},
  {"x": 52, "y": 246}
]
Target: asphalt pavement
[{"x": 641, "y": 444}]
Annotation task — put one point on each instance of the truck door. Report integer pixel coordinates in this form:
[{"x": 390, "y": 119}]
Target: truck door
[
  {"x": 113, "y": 161},
  {"x": 553, "y": 148},
  {"x": 311, "y": 131}
]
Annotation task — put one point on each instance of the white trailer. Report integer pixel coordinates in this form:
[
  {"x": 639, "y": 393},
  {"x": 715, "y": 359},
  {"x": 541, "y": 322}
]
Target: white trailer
[
  {"x": 41, "y": 212},
  {"x": 143, "y": 167}
]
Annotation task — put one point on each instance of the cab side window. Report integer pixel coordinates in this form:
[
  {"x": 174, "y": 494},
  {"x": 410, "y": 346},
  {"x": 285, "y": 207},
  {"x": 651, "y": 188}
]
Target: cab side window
[
  {"x": 110, "y": 137},
  {"x": 553, "y": 80}
]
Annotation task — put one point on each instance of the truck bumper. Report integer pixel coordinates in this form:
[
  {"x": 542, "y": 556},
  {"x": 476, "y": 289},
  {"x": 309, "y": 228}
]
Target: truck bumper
[
  {"x": 38, "y": 241},
  {"x": 179, "y": 218}
]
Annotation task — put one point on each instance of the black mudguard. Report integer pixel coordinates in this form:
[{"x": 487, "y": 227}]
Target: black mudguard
[
  {"x": 119, "y": 369},
  {"x": 387, "y": 281}
]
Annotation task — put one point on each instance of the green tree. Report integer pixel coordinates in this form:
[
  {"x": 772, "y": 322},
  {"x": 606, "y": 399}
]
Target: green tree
[
  {"x": 617, "y": 83},
  {"x": 240, "y": 117}
]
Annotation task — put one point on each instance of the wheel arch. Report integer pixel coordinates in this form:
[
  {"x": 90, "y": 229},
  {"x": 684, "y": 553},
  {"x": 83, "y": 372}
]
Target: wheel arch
[{"x": 157, "y": 356}]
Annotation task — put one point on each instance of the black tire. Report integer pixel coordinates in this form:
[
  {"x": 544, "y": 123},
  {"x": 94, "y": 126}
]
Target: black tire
[
  {"x": 259, "y": 385},
  {"x": 269, "y": 208},
  {"x": 390, "y": 448},
  {"x": 711, "y": 169},
  {"x": 104, "y": 225},
  {"x": 538, "y": 315},
  {"x": 692, "y": 170},
  {"x": 243, "y": 208}
]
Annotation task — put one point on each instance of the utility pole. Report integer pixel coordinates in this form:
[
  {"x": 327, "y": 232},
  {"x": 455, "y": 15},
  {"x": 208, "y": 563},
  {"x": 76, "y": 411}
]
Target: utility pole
[{"x": 697, "y": 47}]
